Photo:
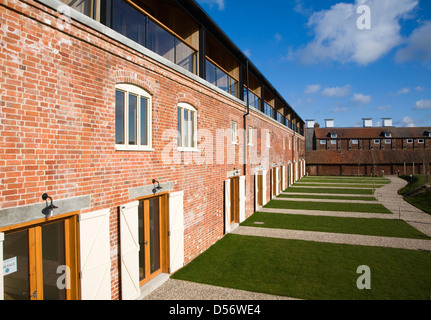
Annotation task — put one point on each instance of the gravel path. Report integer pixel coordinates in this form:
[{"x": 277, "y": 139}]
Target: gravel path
[
  {"x": 327, "y": 200},
  {"x": 373, "y": 241},
  {"x": 331, "y": 213},
  {"x": 184, "y": 290},
  {"x": 389, "y": 197}
]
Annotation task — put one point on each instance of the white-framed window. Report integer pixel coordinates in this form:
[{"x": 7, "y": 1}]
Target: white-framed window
[
  {"x": 421, "y": 141},
  {"x": 376, "y": 141},
  {"x": 409, "y": 141},
  {"x": 250, "y": 136},
  {"x": 388, "y": 141},
  {"x": 322, "y": 142},
  {"x": 355, "y": 141},
  {"x": 187, "y": 127},
  {"x": 133, "y": 119},
  {"x": 234, "y": 131},
  {"x": 268, "y": 139},
  {"x": 333, "y": 142}
]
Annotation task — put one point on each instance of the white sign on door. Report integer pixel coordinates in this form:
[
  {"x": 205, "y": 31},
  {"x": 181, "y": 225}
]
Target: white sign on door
[{"x": 10, "y": 266}]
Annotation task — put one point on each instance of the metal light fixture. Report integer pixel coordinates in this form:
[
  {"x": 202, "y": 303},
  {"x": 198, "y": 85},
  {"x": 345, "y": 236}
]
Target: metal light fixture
[
  {"x": 158, "y": 188},
  {"x": 49, "y": 209}
]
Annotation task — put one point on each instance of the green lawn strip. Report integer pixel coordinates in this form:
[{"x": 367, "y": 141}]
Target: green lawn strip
[
  {"x": 362, "y": 226},
  {"x": 363, "y": 186},
  {"x": 421, "y": 201},
  {"x": 328, "y": 206},
  {"x": 416, "y": 182},
  {"x": 330, "y": 190},
  {"x": 311, "y": 270},
  {"x": 316, "y": 196}
]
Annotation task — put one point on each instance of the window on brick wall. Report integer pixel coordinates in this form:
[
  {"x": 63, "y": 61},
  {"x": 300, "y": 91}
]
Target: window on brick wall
[
  {"x": 187, "y": 127},
  {"x": 234, "y": 131},
  {"x": 250, "y": 136},
  {"x": 132, "y": 118}
]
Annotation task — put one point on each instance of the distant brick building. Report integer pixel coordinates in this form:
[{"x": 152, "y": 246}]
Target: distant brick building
[{"x": 368, "y": 150}]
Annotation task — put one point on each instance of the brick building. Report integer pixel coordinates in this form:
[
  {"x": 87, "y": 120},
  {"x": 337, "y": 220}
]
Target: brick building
[
  {"x": 149, "y": 134},
  {"x": 368, "y": 150}
]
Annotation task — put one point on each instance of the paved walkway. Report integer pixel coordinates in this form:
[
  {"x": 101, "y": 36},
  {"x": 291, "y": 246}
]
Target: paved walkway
[{"x": 387, "y": 195}]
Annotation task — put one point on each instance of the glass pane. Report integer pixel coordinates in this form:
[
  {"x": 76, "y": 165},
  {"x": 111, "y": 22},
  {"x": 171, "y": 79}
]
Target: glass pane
[
  {"x": 144, "y": 122},
  {"x": 141, "y": 242},
  {"x": 160, "y": 41},
  {"x": 54, "y": 262},
  {"x": 83, "y": 6},
  {"x": 15, "y": 266},
  {"x": 192, "y": 129},
  {"x": 133, "y": 118},
  {"x": 185, "y": 56},
  {"x": 222, "y": 80},
  {"x": 119, "y": 117},
  {"x": 128, "y": 21},
  {"x": 154, "y": 235},
  {"x": 179, "y": 124},
  {"x": 186, "y": 129},
  {"x": 234, "y": 132},
  {"x": 210, "y": 73}
]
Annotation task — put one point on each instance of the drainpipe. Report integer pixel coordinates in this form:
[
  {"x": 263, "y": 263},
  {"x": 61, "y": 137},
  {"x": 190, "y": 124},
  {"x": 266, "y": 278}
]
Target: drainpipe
[{"x": 245, "y": 124}]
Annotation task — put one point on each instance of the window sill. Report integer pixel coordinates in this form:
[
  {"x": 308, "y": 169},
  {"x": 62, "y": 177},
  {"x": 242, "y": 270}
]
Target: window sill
[{"x": 133, "y": 148}]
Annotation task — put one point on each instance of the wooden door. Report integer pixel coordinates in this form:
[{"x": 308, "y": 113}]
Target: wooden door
[
  {"x": 234, "y": 196},
  {"x": 152, "y": 238},
  {"x": 41, "y": 261},
  {"x": 260, "y": 190}
]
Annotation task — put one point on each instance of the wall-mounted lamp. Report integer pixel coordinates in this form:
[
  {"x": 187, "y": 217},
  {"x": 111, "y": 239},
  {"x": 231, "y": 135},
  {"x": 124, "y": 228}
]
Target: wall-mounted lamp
[
  {"x": 158, "y": 188},
  {"x": 49, "y": 209}
]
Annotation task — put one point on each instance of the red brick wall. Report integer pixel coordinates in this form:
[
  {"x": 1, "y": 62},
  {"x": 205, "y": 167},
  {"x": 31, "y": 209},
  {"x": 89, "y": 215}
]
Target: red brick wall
[{"x": 57, "y": 126}]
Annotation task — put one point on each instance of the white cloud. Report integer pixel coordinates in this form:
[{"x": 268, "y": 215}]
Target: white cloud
[
  {"x": 418, "y": 46},
  {"x": 384, "y": 108},
  {"x": 337, "y": 37},
  {"x": 278, "y": 37},
  {"x": 247, "y": 52},
  {"x": 220, "y": 3},
  {"x": 419, "y": 89},
  {"x": 407, "y": 122},
  {"x": 301, "y": 9},
  {"x": 422, "y": 105},
  {"x": 313, "y": 88},
  {"x": 403, "y": 91},
  {"x": 340, "y": 109},
  {"x": 361, "y": 99},
  {"x": 337, "y": 91}
]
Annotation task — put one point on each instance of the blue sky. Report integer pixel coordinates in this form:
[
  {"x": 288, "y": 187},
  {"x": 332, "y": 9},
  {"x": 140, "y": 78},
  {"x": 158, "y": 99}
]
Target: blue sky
[{"x": 326, "y": 67}]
